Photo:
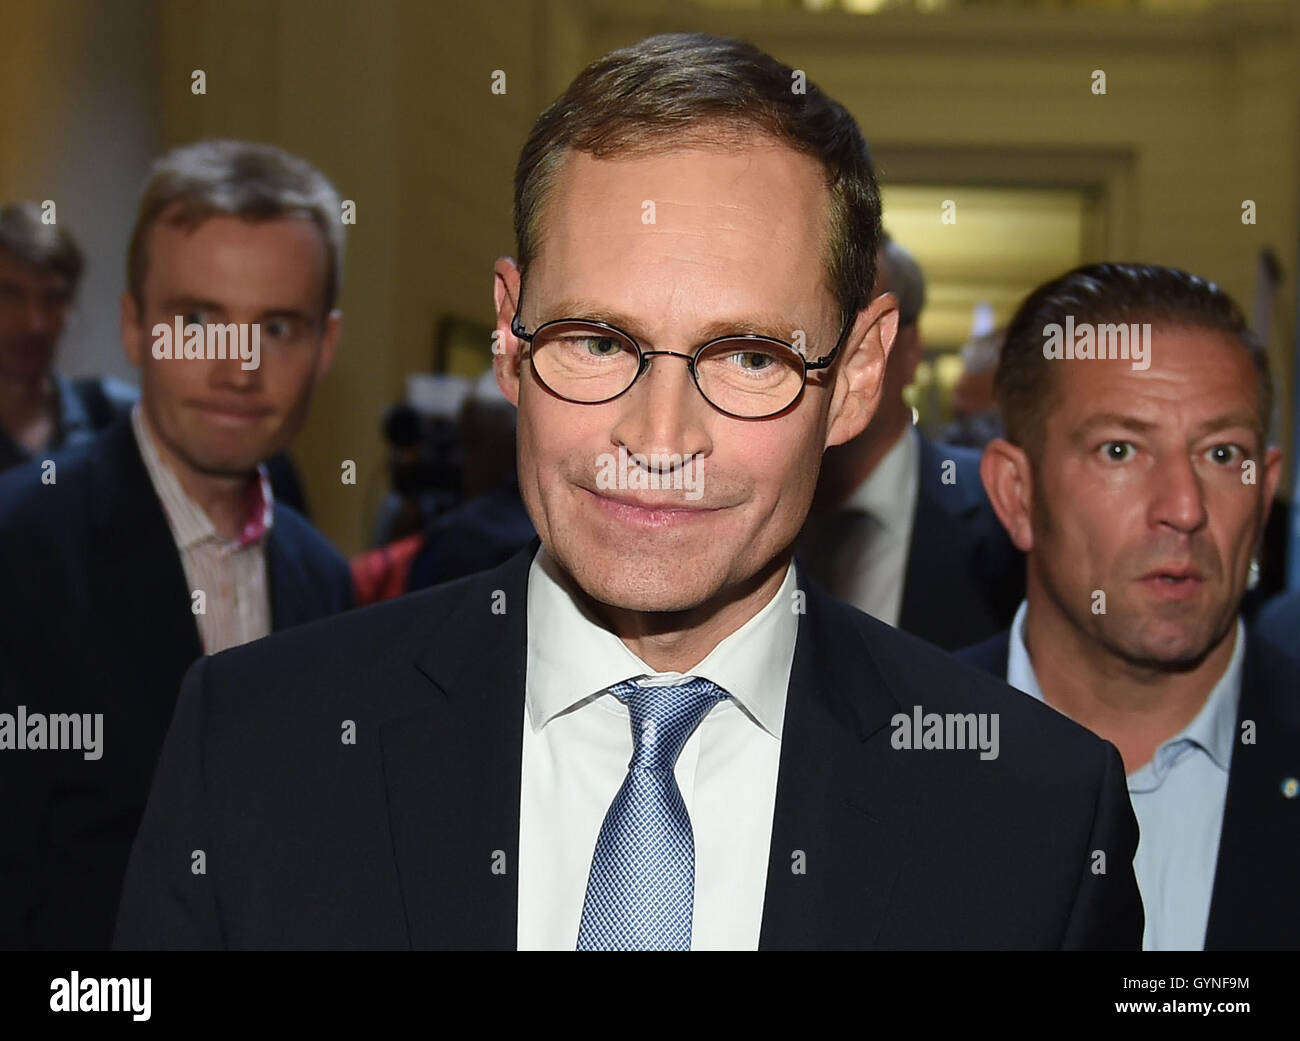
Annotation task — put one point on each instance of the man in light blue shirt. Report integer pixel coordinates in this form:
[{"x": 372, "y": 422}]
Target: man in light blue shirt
[{"x": 1136, "y": 477}]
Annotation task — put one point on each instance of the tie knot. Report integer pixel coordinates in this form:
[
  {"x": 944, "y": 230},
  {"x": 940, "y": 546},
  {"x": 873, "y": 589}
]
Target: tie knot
[{"x": 664, "y": 717}]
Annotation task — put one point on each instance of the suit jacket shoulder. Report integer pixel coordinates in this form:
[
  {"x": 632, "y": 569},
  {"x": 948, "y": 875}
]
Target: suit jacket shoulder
[
  {"x": 1256, "y": 903},
  {"x": 359, "y": 775}
]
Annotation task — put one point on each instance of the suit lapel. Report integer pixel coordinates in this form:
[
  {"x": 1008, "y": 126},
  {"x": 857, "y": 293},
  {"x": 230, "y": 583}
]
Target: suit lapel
[
  {"x": 842, "y": 808},
  {"x": 135, "y": 565},
  {"x": 453, "y": 770},
  {"x": 287, "y": 579},
  {"x": 1256, "y": 896}
]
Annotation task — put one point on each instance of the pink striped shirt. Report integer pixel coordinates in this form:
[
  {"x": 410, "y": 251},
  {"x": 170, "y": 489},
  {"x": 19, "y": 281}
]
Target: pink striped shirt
[{"x": 229, "y": 590}]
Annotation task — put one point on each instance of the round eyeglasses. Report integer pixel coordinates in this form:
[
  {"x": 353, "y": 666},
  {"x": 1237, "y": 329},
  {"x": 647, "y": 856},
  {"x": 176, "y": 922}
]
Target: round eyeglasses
[{"x": 746, "y": 376}]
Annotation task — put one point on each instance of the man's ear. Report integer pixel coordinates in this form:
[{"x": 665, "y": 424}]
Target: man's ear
[
  {"x": 1009, "y": 480},
  {"x": 1272, "y": 475},
  {"x": 129, "y": 319},
  {"x": 909, "y": 342},
  {"x": 505, "y": 345},
  {"x": 860, "y": 370}
]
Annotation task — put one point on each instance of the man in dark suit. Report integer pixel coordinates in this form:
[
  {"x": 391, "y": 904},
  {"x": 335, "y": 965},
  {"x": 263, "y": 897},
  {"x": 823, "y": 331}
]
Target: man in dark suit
[
  {"x": 124, "y": 559},
  {"x": 1138, "y": 486},
  {"x": 451, "y": 769},
  {"x": 900, "y": 526}
]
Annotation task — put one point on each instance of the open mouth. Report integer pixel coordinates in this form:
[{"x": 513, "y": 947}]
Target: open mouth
[{"x": 1175, "y": 582}]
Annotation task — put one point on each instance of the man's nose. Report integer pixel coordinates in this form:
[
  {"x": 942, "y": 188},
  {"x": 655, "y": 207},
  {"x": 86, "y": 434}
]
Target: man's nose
[
  {"x": 40, "y": 317},
  {"x": 664, "y": 411},
  {"x": 230, "y": 374},
  {"x": 1177, "y": 495}
]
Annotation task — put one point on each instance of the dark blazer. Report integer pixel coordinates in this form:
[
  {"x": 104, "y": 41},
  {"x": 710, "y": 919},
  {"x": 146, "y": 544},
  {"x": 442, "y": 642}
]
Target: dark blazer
[
  {"x": 95, "y": 617},
  {"x": 1255, "y": 902},
  {"x": 1279, "y": 622},
  {"x": 964, "y": 578},
  {"x": 389, "y": 842}
]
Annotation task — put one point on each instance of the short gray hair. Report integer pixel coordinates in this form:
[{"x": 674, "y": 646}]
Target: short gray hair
[{"x": 236, "y": 179}]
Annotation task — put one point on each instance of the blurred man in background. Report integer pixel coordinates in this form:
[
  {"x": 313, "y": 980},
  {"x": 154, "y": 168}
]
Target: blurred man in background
[
  {"x": 900, "y": 526},
  {"x": 975, "y": 413},
  {"x": 128, "y": 557},
  {"x": 1138, "y": 487},
  {"x": 40, "y": 410}
]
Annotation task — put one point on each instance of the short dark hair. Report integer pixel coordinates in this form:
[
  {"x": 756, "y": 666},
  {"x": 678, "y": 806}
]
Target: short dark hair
[
  {"x": 27, "y": 239},
  {"x": 1024, "y": 385},
  {"x": 691, "y": 89},
  {"x": 236, "y": 179}
]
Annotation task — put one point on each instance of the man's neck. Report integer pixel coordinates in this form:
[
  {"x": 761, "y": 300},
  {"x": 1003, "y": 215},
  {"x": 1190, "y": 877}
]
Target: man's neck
[
  {"x": 220, "y": 496},
  {"x": 846, "y": 466},
  {"x": 29, "y": 410},
  {"x": 678, "y": 641},
  {"x": 1136, "y": 708}
]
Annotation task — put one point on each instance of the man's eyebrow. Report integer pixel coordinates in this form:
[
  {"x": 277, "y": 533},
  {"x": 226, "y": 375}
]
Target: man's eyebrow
[
  {"x": 778, "y": 327},
  {"x": 285, "y": 312},
  {"x": 1237, "y": 418},
  {"x": 1242, "y": 417},
  {"x": 184, "y": 303},
  {"x": 1110, "y": 419}
]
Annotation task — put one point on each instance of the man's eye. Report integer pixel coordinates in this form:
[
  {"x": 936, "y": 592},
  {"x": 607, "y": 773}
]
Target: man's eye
[
  {"x": 280, "y": 328},
  {"x": 598, "y": 346},
  {"x": 1225, "y": 455},
  {"x": 753, "y": 361},
  {"x": 196, "y": 317},
  {"x": 1117, "y": 451}
]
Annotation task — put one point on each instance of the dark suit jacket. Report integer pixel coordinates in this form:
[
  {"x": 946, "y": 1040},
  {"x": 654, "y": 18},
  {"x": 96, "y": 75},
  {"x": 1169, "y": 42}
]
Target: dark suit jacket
[
  {"x": 389, "y": 842},
  {"x": 95, "y": 617},
  {"x": 1255, "y": 903},
  {"x": 1279, "y": 622},
  {"x": 964, "y": 577}
]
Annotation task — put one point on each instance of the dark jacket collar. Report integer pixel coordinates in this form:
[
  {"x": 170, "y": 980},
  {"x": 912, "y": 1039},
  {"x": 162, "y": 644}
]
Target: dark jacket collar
[
  {"x": 835, "y": 741},
  {"x": 1256, "y": 897}
]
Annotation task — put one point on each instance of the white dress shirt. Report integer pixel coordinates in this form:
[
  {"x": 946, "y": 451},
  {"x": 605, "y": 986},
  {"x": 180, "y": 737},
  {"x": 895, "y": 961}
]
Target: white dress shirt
[
  {"x": 230, "y": 572},
  {"x": 578, "y": 742},
  {"x": 870, "y": 567},
  {"x": 1178, "y": 799}
]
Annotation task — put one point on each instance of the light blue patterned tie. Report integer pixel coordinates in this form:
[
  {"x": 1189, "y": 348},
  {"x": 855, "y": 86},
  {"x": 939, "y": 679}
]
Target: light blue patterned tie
[{"x": 641, "y": 890}]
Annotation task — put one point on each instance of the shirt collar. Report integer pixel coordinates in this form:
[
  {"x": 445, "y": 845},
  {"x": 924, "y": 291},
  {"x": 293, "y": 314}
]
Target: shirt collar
[
  {"x": 573, "y": 659},
  {"x": 1213, "y": 729},
  {"x": 189, "y": 522},
  {"x": 889, "y": 490}
]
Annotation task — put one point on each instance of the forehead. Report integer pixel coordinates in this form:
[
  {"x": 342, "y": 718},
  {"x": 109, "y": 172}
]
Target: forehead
[
  {"x": 285, "y": 254},
  {"x": 678, "y": 230},
  {"x": 1194, "y": 374},
  {"x": 32, "y": 276}
]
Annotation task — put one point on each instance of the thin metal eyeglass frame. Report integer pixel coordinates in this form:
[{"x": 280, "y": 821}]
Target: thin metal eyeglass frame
[{"x": 643, "y": 364}]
